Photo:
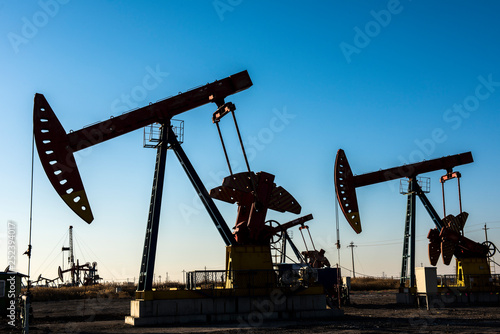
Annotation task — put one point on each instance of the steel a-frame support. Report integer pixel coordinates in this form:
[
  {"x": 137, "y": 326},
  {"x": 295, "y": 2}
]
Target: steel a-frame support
[
  {"x": 409, "y": 237},
  {"x": 409, "y": 251},
  {"x": 287, "y": 239},
  {"x": 169, "y": 141},
  {"x": 151, "y": 239}
]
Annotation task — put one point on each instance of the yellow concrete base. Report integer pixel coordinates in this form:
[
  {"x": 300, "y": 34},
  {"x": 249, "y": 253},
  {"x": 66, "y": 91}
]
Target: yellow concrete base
[
  {"x": 249, "y": 265},
  {"x": 473, "y": 273},
  {"x": 250, "y": 297}
]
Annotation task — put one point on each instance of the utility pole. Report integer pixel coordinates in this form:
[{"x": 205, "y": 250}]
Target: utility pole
[
  {"x": 486, "y": 238},
  {"x": 71, "y": 258},
  {"x": 338, "y": 229},
  {"x": 352, "y": 245}
]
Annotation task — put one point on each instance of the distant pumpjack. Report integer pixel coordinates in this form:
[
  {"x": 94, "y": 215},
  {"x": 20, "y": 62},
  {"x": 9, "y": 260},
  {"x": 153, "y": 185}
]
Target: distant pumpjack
[{"x": 445, "y": 239}]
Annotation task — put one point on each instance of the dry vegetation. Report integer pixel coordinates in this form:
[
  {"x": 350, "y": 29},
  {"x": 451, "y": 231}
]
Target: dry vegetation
[
  {"x": 83, "y": 292},
  {"x": 127, "y": 291},
  {"x": 372, "y": 283}
]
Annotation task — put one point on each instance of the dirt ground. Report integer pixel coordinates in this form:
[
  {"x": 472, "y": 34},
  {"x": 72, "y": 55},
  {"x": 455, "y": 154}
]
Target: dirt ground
[{"x": 369, "y": 312}]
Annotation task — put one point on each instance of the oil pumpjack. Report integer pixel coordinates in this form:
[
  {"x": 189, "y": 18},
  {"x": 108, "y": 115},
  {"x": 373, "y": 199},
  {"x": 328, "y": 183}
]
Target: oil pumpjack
[
  {"x": 80, "y": 274},
  {"x": 446, "y": 239},
  {"x": 252, "y": 284}
]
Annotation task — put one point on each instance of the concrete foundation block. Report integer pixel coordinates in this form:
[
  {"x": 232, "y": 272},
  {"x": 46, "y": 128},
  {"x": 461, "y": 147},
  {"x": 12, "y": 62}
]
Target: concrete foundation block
[
  {"x": 207, "y": 306},
  {"x": 160, "y": 308},
  {"x": 244, "y": 304},
  {"x": 184, "y": 307},
  {"x": 227, "y": 309},
  {"x": 222, "y": 318},
  {"x": 293, "y": 303}
]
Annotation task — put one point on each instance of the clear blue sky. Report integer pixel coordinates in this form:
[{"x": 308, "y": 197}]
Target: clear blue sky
[{"x": 390, "y": 82}]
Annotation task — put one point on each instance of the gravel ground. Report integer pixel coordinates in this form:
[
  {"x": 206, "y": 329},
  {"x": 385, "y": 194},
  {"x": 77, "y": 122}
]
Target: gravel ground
[{"x": 369, "y": 312}]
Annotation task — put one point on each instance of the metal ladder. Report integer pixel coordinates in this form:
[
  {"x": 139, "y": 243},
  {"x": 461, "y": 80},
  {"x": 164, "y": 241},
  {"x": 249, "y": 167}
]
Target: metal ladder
[
  {"x": 151, "y": 239},
  {"x": 406, "y": 242}
]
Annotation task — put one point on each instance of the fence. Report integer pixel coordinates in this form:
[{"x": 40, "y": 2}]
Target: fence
[
  {"x": 217, "y": 279},
  {"x": 470, "y": 281},
  {"x": 205, "y": 279}
]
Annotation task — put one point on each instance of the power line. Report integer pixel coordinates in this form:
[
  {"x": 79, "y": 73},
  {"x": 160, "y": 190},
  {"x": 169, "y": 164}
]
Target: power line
[
  {"x": 360, "y": 274},
  {"x": 50, "y": 254},
  {"x": 99, "y": 261},
  {"x": 489, "y": 223}
]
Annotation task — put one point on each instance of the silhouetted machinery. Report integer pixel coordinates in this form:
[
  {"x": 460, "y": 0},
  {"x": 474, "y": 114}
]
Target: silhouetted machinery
[
  {"x": 81, "y": 274},
  {"x": 446, "y": 239},
  {"x": 46, "y": 282},
  {"x": 250, "y": 272}
]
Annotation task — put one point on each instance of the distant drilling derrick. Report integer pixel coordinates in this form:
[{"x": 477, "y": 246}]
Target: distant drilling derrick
[{"x": 85, "y": 274}]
